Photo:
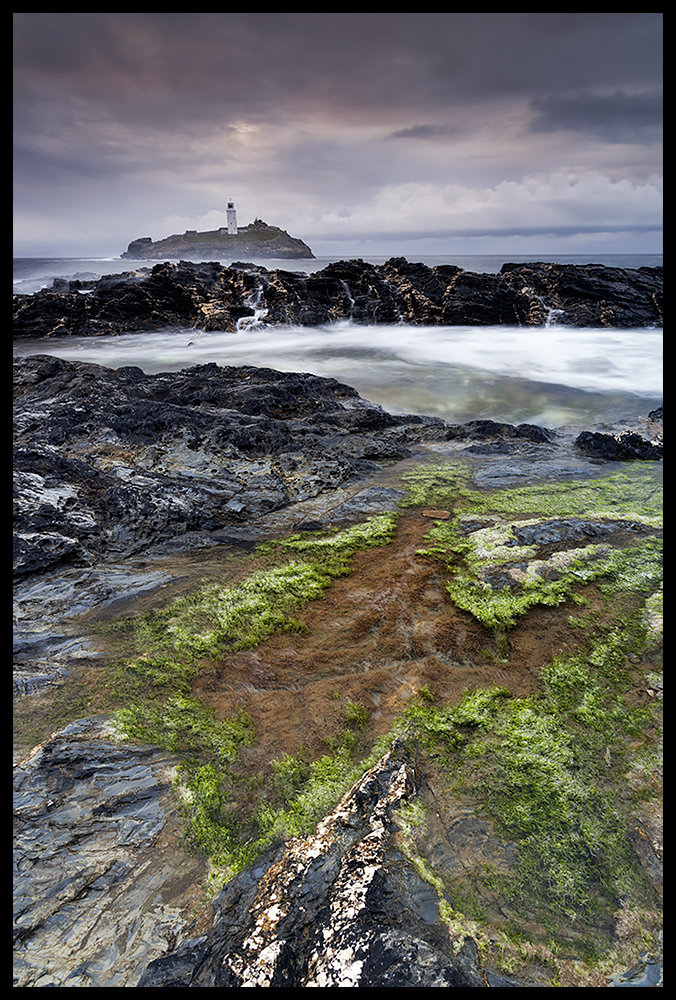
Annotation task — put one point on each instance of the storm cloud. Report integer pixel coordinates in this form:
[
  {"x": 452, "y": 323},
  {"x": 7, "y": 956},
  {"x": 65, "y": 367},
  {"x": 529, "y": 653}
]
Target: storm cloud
[{"x": 442, "y": 131}]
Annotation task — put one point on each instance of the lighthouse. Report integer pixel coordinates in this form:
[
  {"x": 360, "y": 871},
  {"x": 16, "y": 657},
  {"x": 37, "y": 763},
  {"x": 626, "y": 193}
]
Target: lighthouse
[{"x": 232, "y": 219}]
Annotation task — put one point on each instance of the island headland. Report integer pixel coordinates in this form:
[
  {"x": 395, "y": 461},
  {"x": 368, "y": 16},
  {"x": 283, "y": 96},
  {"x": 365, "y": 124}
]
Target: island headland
[{"x": 258, "y": 239}]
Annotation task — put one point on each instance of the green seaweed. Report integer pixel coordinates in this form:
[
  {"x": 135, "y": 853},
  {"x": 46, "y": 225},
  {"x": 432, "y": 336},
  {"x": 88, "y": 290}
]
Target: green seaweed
[
  {"x": 548, "y": 770},
  {"x": 187, "y": 726},
  {"x": 206, "y": 624},
  {"x": 497, "y": 579},
  {"x": 635, "y": 495},
  {"x": 219, "y": 618}
]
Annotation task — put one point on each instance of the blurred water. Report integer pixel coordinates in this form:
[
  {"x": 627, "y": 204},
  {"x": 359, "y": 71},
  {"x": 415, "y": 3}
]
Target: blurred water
[{"x": 551, "y": 375}]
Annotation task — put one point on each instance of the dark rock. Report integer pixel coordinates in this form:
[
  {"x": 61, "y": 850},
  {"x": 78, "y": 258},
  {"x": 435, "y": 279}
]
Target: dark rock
[
  {"x": 341, "y": 907},
  {"x": 494, "y": 429},
  {"x": 565, "y": 531},
  {"x": 212, "y": 296},
  {"x": 110, "y": 462},
  {"x": 593, "y": 294},
  {"x": 614, "y": 447}
]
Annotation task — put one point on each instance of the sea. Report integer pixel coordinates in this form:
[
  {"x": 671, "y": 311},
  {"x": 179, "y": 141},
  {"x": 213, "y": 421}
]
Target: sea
[{"x": 551, "y": 375}]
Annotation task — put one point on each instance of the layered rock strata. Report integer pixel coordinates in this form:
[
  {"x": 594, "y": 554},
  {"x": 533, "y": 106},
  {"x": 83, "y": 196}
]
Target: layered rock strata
[{"x": 101, "y": 883}]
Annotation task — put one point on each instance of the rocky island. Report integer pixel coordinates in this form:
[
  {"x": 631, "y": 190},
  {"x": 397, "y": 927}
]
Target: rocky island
[
  {"x": 257, "y": 240},
  {"x": 311, "y": 694}
]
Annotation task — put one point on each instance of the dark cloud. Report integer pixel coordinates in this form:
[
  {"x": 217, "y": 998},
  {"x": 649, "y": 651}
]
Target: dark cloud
[
  {"x": 144, "y": 62},
  {"x": 426, "y": 132},
  {"x": 145, "y": 120},
  {"x": 617, "y": 117}
]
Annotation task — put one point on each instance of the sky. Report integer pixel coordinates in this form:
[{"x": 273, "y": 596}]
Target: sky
[{"x": 359, "y": 133}]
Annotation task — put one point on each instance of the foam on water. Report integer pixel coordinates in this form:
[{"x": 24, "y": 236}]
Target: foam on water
[{"x": 551, "y": 375}]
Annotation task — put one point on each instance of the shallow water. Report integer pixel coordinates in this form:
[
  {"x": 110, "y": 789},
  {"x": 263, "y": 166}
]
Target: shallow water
[{"x": 546, "y": 375}]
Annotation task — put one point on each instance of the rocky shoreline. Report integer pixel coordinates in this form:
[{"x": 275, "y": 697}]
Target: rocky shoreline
[
  {"x": 111, "y": 462},
  {"x": 211, "y": 296},
  {"x": 132, "y": 489}
]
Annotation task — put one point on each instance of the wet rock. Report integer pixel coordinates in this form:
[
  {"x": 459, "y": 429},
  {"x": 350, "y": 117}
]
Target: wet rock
[
  {"x": 109, "y": 463},
  {"x": 567, "y": 530},
  {"x": 342, "y": 907},
  {"x": 649, "y": 971},
  {"x": 590, "y": 295},
  {"x": 113, "y": 465},
  {"x": 613, "y": 447},
  {"x": 212, "y": 296},
  {"x": 48, "y": 639},
  {"x": 101, "y": 884}
]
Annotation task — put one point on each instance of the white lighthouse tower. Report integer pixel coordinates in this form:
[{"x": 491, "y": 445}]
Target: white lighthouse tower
[{"x": 232, "y": 219}]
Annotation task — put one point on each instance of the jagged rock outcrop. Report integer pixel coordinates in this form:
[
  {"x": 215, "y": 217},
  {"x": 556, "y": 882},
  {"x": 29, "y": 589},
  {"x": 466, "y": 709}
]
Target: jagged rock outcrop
[
  {"x": 211, "y": 296},
  {"x": 341, "y": 907},
  {"x": 110, "y": 462},
  {"x": 613, "y": 447}
]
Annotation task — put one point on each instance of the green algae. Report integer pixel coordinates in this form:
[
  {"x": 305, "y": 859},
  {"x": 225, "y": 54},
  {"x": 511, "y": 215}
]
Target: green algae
[
  {"x": 218, "y": 618},
  {"x": 547, "y": 793},
  {"x": 634, "y": 570},
  {"x": 206, "y": 624},
  {"x": 310, "y": 790},
  {"x": 547, "y": 769},
  {"x": 187, "y": 726},
  {"x": 497, "y": 578},
  {"x": 150, "y": 675},
  {"x": 633, "y": 495}
]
